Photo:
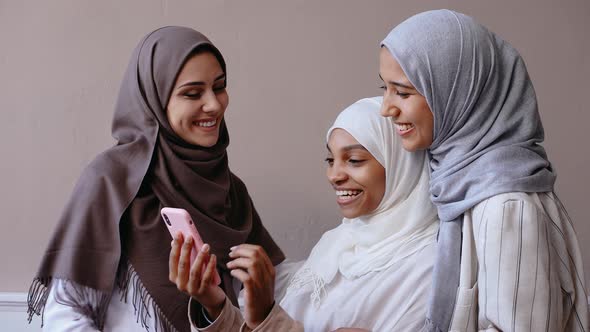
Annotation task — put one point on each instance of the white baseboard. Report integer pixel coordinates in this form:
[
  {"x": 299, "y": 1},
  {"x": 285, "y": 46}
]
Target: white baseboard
[
  {"x": 13, "y": 314},
  {"x": 13, "y": 302}
]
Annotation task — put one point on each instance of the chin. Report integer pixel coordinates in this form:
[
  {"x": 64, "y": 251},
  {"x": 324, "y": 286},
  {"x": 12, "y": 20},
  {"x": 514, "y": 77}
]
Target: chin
[
  {"x": 350, "y": 214},
  {"x": 411, "y": 147}
]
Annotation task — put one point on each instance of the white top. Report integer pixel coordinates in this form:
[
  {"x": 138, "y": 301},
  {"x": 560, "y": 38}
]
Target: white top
[
  {"x": 393, "y": 299},
  {"x": 120, "y": 315}
]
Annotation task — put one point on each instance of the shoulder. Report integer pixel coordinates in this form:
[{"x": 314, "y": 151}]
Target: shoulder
[
  {"x": 501, "y": 200},
  {"x": 509, "y": 205},
  {"x": 238, "y": 183}
]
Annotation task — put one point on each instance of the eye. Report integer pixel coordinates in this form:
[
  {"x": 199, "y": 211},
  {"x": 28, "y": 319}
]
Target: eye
[
  {"x": 220, "y": 87},
  {"x": 193, "y": 94},
  {"x": 403, "y": 95},
  {"x": 356, "y": 162},
  {"x": 329, "y": 161},
  {"x": 383, "y": 87}
]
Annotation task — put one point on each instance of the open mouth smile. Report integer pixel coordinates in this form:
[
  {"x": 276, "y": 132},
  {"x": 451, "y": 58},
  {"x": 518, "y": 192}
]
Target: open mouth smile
[
  {"x": 404, "y": 128},
  {"x": 345, "y": 197},
  {"x": 207, "y": 125}
]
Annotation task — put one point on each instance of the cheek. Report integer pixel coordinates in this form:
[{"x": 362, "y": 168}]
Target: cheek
[
  {"x": 174, "y": 112},
  {"x": 379, "y": 185},
  {"x": 224, "y": 100},
  {"x": 375, "y": 184}
]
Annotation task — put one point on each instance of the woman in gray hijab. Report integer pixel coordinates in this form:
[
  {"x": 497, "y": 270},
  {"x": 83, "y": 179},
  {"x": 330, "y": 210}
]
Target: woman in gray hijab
[
  {"x": 508, "y": 257},
  {"x": 106, "y": 266}
]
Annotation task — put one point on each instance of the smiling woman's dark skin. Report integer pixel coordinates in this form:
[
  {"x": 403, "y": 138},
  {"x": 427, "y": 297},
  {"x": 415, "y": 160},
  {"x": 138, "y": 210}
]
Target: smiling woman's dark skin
[{"x": 356, "y": 176}]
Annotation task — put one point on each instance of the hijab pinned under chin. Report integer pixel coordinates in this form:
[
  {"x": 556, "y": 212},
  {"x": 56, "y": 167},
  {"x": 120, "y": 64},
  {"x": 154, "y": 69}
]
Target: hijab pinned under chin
[
  {"x": 111, "y": 233},
  {"x": 487, "y": 128},
  {"x": 404, "y": 222}
]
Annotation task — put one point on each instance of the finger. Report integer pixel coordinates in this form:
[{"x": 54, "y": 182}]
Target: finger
[
  {"x": 173, "y": 260},
  {"x": 250, "y": 250},
  {"x": 210, "y": 271},
  {"x": 245, "y": 250},
  {"x": 195, "y": 279},
  {"x": 258, "y": 274},
  {"x": 184, "y": 263},
  {"x": 242, "y": 276},
  {"x": 256, "y": 254},
  {"x": 243, "y": 263}
]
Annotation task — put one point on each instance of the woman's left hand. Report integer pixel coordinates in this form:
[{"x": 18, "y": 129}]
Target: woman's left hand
[{"x": 252, "y": 266}]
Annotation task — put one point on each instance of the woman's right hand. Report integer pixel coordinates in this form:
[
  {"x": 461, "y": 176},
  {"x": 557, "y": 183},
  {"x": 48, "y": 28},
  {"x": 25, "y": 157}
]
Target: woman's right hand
[{"x": 192, "y": 279}]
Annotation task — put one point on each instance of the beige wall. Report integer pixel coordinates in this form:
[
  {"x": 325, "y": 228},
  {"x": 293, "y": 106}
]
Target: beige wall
[{"x": 293, "y": 65}]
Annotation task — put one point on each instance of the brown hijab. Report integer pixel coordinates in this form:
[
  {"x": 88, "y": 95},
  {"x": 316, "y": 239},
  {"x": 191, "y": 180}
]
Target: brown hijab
[{"x": 111, "y": 231}]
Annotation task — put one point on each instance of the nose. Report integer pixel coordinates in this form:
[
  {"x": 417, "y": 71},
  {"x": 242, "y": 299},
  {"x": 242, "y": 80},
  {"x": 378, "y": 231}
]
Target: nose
[
  {"x": 336, "y": 175},
  {"x": 212, "y": 103},
  {"x": 388, "y": 109}
]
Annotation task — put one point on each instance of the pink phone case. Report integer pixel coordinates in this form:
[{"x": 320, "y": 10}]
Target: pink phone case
[{"x": 178, "y": 220}]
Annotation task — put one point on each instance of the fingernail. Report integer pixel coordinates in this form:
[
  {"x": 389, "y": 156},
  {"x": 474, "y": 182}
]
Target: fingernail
[
  {"x": 232, "y": 248},
  {"x": 189, "y": 240},
  {"x": 205, "y": 248}
]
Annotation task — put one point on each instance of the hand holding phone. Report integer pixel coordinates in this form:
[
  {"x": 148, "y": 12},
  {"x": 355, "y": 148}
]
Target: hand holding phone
[{"x": 179, "y": 220}]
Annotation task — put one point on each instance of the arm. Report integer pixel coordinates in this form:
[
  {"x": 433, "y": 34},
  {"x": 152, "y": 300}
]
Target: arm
[
  {"x": 518, "y": 282},
  {"x": 252, "y": 266}
]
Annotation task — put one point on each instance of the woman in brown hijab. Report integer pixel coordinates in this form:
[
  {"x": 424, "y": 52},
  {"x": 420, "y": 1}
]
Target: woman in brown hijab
[{"x": 106, "y": 266}]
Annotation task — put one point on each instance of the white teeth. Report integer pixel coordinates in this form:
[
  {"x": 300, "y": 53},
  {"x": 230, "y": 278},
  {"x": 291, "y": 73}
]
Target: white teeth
[
  {"x": 341, "y": 193},
  {"x": 207, "y": 124},
  {"x": 404, "y": 126}
]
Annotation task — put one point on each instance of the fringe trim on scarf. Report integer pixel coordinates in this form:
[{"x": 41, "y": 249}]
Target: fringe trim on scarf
[
  {"x": 305, "y": 277},
  {"x": 94, "y": 304},
  {"x": 85, "y": 301},
  {"x": 128, "y": 280},
  {"x": 37, "y": 298}
]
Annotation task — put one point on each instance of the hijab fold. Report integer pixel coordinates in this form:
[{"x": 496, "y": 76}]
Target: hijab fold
[
  {"x": 111, "y": 233},
  {"x": 404, "y": 222},
  {"x": 487, "y": 129}
]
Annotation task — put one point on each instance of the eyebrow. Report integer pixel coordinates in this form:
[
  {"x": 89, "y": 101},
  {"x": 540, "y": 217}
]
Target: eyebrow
[
  {"x": 349, "y": 147},
  {"x": 201, "y": 82},
  {"x": 403, "y": 85}
]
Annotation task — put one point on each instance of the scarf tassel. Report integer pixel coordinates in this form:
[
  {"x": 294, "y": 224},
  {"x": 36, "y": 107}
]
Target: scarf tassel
[
  {"x": 306, "y": 277},
  {"x": 94, "y": 304},
  {"x": 128, "y": 280}
]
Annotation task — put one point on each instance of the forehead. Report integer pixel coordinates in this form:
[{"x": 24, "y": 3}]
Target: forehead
[
  {"x": 389, "y": 67},
  {"x": 202, "y": 66},
  {"x": 339, "y": 139}
]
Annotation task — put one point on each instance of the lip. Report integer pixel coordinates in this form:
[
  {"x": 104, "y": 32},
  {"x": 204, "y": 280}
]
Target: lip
[
  {"x": 404, "y": 132},
  {"x": 207, "y": 129},
  {"x": 345, "y": 202}
]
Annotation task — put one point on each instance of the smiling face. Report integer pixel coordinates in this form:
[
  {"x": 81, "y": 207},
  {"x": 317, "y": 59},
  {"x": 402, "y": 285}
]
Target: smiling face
[
  {"x": 198, "y": 100},
  {"x": 356, "y": 176},
  {"x": 408, "y": 108}
]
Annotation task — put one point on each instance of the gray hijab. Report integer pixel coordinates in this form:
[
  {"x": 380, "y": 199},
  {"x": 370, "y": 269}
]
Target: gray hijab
[{"x": 487, "y": 129}]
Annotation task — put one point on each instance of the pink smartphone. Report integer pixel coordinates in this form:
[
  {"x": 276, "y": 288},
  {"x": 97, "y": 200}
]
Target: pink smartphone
[{"x": 178, "y": 220}]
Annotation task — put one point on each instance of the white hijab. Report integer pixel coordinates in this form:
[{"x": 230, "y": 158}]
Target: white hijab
[{"x": 404, "y": 222}]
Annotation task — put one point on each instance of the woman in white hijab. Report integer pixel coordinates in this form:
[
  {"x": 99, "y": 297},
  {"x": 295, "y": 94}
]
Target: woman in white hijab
[
  {"x": 371, "y": 272},
  {"x": 508, "y": 255}
]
